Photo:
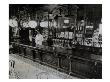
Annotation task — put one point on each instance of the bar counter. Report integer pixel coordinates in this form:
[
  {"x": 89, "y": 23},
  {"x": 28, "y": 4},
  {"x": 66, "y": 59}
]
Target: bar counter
[{"x": 78, "y": 61}]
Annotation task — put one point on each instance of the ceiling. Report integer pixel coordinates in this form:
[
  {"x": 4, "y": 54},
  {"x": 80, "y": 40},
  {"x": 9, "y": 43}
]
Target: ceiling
[{"x": 90, "y": 11}]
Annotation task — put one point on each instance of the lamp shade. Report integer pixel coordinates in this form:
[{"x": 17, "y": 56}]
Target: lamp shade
[
  {"x": 32, "y": 24},
  {"x": 13, "y": 23},
  {"x": 25, "y": 24},
  {"x": 44, "y": 24}
]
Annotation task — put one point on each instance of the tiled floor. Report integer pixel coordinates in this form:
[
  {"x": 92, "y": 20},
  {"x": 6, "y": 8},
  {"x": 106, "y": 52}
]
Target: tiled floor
[{"x": 27, "y": 69}]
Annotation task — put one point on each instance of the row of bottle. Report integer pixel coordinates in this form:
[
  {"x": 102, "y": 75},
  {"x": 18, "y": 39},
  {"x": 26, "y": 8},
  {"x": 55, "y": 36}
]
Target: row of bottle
[
  {"x": 66, "y": 35},
  {"x": 90, "y": 42},
  {"x": 69, "y": 43},
  {"x": 79, "y": 28},
  {"x": 62, "y": 43},
  {"x": 80, "y": 41}
]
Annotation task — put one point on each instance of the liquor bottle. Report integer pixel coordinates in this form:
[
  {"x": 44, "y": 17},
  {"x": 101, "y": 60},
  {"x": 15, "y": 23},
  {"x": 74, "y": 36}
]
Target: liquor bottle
[
  {"x": 58, "y": 42},
  {"x": 61, "y": 43},
  {"x": 53, "y": 41},
  {"x": 68, "y": 42}
]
